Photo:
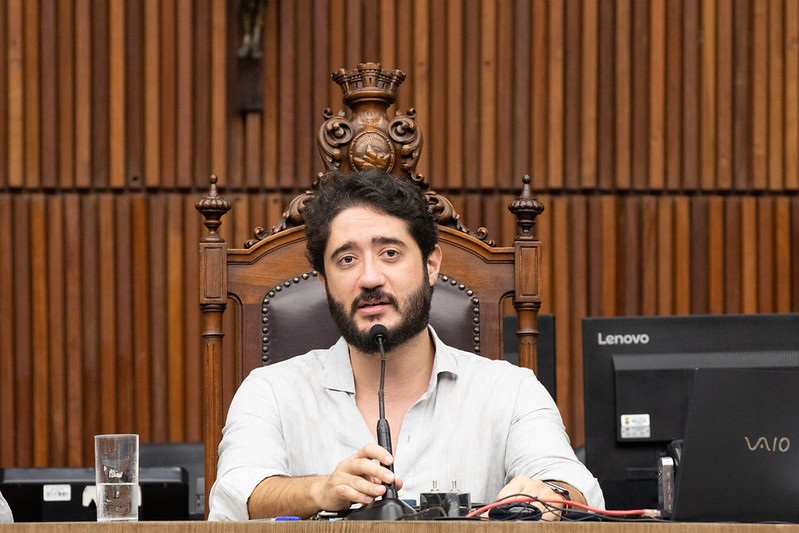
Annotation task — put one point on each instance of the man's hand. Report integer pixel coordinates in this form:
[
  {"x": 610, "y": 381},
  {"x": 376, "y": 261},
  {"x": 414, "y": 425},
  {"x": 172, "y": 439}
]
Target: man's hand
[
  {"x": 538, "y": 489},
  {"x": 356, "y": 479}
]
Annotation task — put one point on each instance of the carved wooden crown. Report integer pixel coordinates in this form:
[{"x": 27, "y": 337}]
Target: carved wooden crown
[{"x": 364, "y": 136}]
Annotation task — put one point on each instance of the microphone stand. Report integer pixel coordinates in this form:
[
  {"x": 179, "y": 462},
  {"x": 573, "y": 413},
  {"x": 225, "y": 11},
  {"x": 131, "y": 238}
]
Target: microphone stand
[{"x": 390, "y": 507}]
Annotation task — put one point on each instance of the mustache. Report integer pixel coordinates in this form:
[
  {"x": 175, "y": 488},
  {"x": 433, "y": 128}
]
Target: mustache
[{"x": 373, "y": 295}]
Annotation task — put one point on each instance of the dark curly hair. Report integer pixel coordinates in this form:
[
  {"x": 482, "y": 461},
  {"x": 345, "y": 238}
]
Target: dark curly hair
[{"x": 375, "y": 189}]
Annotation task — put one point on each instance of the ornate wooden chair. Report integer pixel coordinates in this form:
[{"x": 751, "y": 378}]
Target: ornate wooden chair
[{"x": 261, "y": 303}]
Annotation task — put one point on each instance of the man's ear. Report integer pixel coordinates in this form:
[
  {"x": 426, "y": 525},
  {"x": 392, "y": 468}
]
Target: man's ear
[
  {"x": 434, "y": 264},
  {"x": 323, "y": 281}
]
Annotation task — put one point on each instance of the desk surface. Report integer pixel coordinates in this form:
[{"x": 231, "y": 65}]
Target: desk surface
[{"x": 391, "y": 527}]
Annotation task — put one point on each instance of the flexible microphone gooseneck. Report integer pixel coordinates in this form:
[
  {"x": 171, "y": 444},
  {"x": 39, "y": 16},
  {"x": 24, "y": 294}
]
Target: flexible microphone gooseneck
[
  {"x": 390, "y": 507},
  {"x": 378, "y": 334}
]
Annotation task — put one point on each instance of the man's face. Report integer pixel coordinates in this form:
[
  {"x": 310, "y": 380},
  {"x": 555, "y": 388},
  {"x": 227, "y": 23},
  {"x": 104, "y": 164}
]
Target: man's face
[{"x": 375, "y": 274}]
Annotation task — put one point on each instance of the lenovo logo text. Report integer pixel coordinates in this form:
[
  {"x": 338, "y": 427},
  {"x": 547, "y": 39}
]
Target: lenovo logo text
[
  {"x": 627, "y": 338},
  {"x": 777, "y": 444}
]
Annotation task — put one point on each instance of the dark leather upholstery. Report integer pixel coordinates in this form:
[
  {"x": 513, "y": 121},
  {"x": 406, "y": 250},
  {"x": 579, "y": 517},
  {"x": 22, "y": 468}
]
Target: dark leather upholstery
[{"x": 299, "y": 304}]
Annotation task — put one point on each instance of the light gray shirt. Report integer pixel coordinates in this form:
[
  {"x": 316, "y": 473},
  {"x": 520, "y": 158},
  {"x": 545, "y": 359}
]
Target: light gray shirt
[{"x": 481, "y": 423}]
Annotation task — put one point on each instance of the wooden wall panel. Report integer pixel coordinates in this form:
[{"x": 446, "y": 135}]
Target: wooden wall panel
[{"x": 661, "y": 136}]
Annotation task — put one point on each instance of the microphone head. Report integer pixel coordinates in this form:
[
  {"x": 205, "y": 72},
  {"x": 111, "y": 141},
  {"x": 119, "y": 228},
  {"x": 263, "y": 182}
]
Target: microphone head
[{"x": 378, "y": 334}]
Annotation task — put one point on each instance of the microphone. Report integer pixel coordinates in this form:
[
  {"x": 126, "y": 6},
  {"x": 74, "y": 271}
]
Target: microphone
[
  {"x": 390, "y": 507},
  {"x": 378, "y": 335}
]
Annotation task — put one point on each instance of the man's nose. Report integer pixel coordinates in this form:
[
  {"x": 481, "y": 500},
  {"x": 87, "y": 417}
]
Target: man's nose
[{"x": 371, "y": 274}]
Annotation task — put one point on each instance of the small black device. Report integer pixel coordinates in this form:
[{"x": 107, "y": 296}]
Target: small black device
[{"x": 522, "y": 511}]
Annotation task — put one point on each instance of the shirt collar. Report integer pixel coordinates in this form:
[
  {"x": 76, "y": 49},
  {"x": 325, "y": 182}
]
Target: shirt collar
[{"x": 338, "y": 371}]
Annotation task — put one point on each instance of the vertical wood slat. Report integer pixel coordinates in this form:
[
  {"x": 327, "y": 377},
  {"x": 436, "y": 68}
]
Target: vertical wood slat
[
  {"x": 83, "y": 94},
  {"x": 749, "y": 255},
  {"x": 454, "y": 108},
  {"x": 152, "y": 93},
  {"x": 639, "y": 127},
  {"x": 776, "y": 116},
  {"x": 578, "y": 307},
  {"x": 272, "y": 87},
  {"x": 673, "y": 97},
  {"x": 305, "y": 155},
  {"x": 691, "y": 99},
  {"x": 73, "y": 287},
  {"x": 781, "y": 259},
  {"x": 57, "y": 364},
  {"x": 140, "y": 323},
  {"x": 8, "y": 383},
  {"x": 15, "y": 93},
  {"x": 419, "y": 47},
  {"x": 572, "y": 94},
  {"x": 133, "y": 96},
  {"x": 765, "y": 254},
  {"x": 538, "y": 163},
  {"x": 65, "y": 31},
  {"x": 286, "y": 140},
  {"x": 488, "y": 93},
  {"x": 742, "y": 70},
  {"x": 90, "y": 309},
  {"x": 219, "y": 40},
  {"x": 185, "y": 92},
  {"x": 606, "y": 109},
  {"x": 555, "y": 106},
  {"x": 588, "y": 119},
  {"x": 791, "y": 77},
  {"x": 622, "y": 82},
  {"x": 124, "y": 377},
  {"x": 159, "y": 379},
  {"x": 23, "y": 309},
  {"x": 4, "y": 101},
  {"x": 116, "y": 86},
  {"x": 657, "y": 88},
  {"x": 168, "y": 93},
  {"x": 39, "y": 353},
  {"x": 33, "y": 152},
  {"x": 49, "y": 98},
  {"x": 732, "y": 255},
  {"x": 437, "y": 160},
  {"x": 174, "y": 300},
  {"x": 724, "y": 96},
  {"x": 100, "y": 84},
  {"x": 519, "y": 115},
  {"x": 707, "y": 96},
  {"x": 759, "y": 101}
]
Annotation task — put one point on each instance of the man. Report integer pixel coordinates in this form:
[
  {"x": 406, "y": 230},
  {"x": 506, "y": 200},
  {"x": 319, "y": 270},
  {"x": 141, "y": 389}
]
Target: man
[{"x": 300, "y": 434}]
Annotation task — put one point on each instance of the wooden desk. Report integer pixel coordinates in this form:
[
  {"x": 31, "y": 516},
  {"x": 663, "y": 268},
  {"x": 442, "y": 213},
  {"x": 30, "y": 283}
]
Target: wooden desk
[{"x": 390, "y": 527}]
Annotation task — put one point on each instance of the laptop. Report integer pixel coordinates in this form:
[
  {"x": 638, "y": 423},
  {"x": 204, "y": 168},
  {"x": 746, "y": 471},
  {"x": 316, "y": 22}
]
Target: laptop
[{"x": 739, "y": 460}]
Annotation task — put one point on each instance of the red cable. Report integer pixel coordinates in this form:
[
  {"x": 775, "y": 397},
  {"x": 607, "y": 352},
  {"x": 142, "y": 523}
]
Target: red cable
[{"x": 571, "y": 504}]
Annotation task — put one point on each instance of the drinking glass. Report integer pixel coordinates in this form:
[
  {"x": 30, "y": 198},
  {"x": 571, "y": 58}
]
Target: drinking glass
[{"x": 117, "y": 477}]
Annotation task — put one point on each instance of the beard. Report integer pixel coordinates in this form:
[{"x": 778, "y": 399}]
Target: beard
[{"x": 415, "y": 317}]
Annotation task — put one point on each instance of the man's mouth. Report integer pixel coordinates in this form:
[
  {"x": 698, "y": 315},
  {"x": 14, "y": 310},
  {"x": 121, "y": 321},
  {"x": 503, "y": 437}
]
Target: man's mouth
[{"x": 365, "y": 304}]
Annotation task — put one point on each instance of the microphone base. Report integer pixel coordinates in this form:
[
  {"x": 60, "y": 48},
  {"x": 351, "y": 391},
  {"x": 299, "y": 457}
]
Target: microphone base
[{"x": 385, "y": 509}]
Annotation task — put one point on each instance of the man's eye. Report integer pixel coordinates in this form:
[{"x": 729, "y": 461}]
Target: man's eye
[
  {"x": 346, "y": 260},
  {"x": 391, "y": 254}
]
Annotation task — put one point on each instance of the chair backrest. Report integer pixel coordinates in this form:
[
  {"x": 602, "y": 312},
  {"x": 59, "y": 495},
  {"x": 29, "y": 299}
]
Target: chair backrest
[{"x": 262, "y": 303}]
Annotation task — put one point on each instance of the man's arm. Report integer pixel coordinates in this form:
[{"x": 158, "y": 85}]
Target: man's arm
[{"x": 357, "y": 479}]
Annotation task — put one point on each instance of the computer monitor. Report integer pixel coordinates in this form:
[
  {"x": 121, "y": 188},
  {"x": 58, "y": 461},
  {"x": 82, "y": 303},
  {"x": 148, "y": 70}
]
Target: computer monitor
[
  {"x": 68, "y": 494},
  {"x": 638, "y": 375}
]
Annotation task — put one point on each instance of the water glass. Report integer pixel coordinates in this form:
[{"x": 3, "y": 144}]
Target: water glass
[{"x": 117, "y": 477}]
